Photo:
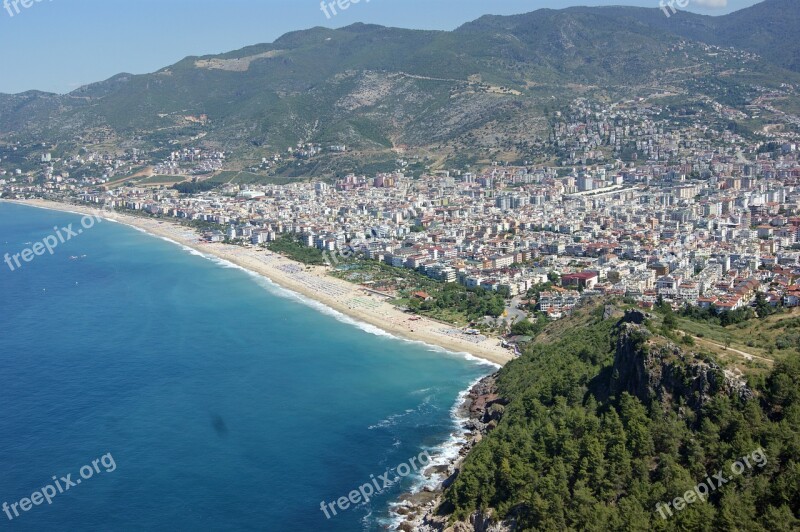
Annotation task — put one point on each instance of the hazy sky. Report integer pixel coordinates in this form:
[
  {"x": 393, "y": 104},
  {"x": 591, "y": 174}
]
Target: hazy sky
[{"x": 59, "y": 45}]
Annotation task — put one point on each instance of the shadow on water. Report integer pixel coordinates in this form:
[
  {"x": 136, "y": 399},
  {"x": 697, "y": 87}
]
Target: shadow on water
[{"x": 219, "y": 425}]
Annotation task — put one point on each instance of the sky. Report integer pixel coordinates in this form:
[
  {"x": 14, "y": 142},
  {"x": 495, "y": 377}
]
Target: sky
[{"x": 60, "y": 45}]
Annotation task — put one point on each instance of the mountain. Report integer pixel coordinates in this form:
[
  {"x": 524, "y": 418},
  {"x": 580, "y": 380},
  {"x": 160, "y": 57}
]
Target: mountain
[
  {"x": 486, "y": 90},
  {"x": 768, "y": 28}
]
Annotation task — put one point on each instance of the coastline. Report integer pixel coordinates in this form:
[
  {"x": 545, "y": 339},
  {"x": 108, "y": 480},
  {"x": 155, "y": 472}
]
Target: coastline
[
  {"x": 309, "y": 282},
  {"x": 477, "y": 412},
  {"x": 354, "y": 305}
]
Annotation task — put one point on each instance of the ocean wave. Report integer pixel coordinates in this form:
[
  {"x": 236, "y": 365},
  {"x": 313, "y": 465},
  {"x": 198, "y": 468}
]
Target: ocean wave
[
  {"x": 448, "y": 451},
  {"x": 442, "y": 456},
  {"x": 184, "y": 247},
  {"x": 388, "y": 422},
  {"x": 44, "y": 208},
  {"x": 468, "y": 356},
  {"x": 424, "y": 408},
  {"x": 192, "y": 251}
]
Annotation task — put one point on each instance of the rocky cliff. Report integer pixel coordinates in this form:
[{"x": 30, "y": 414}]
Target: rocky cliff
[{"x": 654, "y": 369}]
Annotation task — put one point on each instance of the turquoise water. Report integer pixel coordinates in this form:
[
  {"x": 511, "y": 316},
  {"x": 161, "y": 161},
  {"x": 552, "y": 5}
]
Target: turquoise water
[{"x": 225, "y": 403}]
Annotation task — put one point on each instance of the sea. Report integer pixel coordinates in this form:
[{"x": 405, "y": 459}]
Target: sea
[{"x": 146, "y": 386}]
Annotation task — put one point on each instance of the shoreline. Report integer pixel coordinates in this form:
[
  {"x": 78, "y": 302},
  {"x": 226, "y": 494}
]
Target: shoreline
[
  {"x": 477, "y": 411},
  {"x": 310, "y": 282},
  {"x": 408, "y": 511}
]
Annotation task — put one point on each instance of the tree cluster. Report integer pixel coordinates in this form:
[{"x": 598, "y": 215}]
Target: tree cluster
[{"x": 568, "y": 456}]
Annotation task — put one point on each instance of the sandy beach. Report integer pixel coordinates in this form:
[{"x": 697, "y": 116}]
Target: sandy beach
[{"x": 313, "y": 283}]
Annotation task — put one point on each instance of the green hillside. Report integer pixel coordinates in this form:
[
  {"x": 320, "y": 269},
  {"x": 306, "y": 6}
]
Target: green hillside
[
  {"x": 487, "y": 88},
  {"x": 608, "y": 420}
]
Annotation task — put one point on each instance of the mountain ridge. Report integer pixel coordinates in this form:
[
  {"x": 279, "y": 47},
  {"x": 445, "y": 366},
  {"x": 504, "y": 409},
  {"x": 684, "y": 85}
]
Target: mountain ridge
[{"x": 486, "y": 89}]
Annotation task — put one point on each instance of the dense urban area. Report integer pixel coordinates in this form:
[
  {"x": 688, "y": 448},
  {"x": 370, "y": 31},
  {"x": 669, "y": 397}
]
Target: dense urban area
[{"x": 695, "y": 217}]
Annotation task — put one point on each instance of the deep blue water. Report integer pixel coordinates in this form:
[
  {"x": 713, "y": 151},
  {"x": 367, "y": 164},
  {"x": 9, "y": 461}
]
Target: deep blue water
[{"x": 225, "y": 403}]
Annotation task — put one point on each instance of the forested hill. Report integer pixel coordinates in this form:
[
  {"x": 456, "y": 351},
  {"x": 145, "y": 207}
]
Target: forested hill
[{"x": 607, "y": 419}]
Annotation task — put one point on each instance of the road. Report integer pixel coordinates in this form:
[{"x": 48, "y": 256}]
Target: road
[
  {"x": 514, "y": 312},
  {"x": 747, "y": 356}
]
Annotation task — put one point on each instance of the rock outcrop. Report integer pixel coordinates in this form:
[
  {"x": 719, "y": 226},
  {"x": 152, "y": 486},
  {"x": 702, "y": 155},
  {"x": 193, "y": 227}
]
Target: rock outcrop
[{"x": 660, "y": 371}]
